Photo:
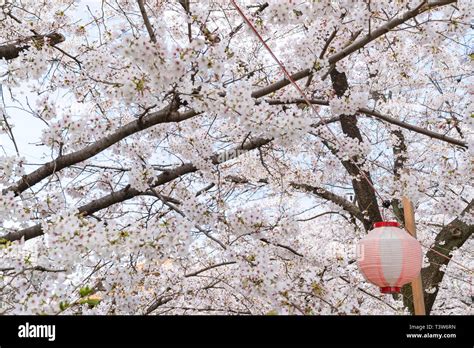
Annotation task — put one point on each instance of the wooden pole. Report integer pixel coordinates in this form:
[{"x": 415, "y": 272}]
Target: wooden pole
[{"x": 416, "y": 285}]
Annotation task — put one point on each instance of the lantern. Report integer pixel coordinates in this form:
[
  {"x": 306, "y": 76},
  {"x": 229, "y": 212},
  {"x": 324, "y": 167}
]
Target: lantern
[{"x": 389, "y": 257}]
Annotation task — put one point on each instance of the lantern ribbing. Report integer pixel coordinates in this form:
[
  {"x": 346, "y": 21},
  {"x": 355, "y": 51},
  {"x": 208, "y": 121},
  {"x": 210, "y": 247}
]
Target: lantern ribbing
[{"x": 389, "y": 257}]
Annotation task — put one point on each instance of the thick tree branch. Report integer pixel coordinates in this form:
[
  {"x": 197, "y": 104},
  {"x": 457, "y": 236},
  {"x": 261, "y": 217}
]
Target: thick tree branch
[
  {"x": 413, "y": 128},
  {"x": 196, "y": 273},
  {"x": 356, "y": 45},
  {"x": 400, "y": 158},
  {"x": 361, "y": 180},
  {"x": 129, "y": 192},
  {"x": 381, "y": 117},
  {"x": 452, "y": 236},
  {"x": 161, "y": 301},
  {"x": 318, "y": 191},
  {"x": 167, "y": 114},
  {"x": 332, "y": 197},
  {"x": 12, "y": 51},
  {"x": 385, "y": 28}
]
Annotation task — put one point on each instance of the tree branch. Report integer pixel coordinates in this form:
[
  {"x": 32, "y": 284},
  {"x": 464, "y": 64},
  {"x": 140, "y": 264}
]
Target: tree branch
[
  {"x": 146, "y": 20},
  {"x": 385, "y": 28},
  {"x": 167, "y": 114},
  {"x": 159, "y": 302},
  {"x": 12, "y": 51},
  {"x": 356, "y": 45},
  {"x": 413, "y": 127},
  {"x": 379, "y": 116},
  {"x": 452, "y": 236},
  {"x": 129, "y": 192},
  {"x": 332, "y": 197},
  {"x": 364, "y": 190},
  {"x": 193, "y": 274}
]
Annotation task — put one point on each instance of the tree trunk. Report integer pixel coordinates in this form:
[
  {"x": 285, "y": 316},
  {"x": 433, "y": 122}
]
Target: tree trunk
[{"x": 364, "y": 191}]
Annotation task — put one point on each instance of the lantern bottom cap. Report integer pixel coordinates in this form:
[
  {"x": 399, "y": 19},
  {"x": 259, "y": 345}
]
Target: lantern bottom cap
[{"x": 390, "y": 290}]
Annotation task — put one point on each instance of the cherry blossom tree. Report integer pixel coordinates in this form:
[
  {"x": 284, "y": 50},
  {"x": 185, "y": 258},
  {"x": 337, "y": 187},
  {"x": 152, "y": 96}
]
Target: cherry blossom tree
[{"x": 179, "y": 171}]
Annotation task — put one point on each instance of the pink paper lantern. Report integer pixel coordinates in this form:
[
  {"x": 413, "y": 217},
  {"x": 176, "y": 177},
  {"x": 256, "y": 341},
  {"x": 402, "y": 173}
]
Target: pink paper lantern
[{"x": 389, "y": 257}]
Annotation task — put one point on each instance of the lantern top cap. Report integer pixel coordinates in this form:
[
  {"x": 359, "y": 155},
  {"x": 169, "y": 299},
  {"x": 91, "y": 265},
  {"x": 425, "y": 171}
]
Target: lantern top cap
[{"x": 386, "y": 224}]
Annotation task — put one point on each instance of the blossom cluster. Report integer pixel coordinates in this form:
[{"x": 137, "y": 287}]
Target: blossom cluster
[{"x": 348, "y": 104}]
